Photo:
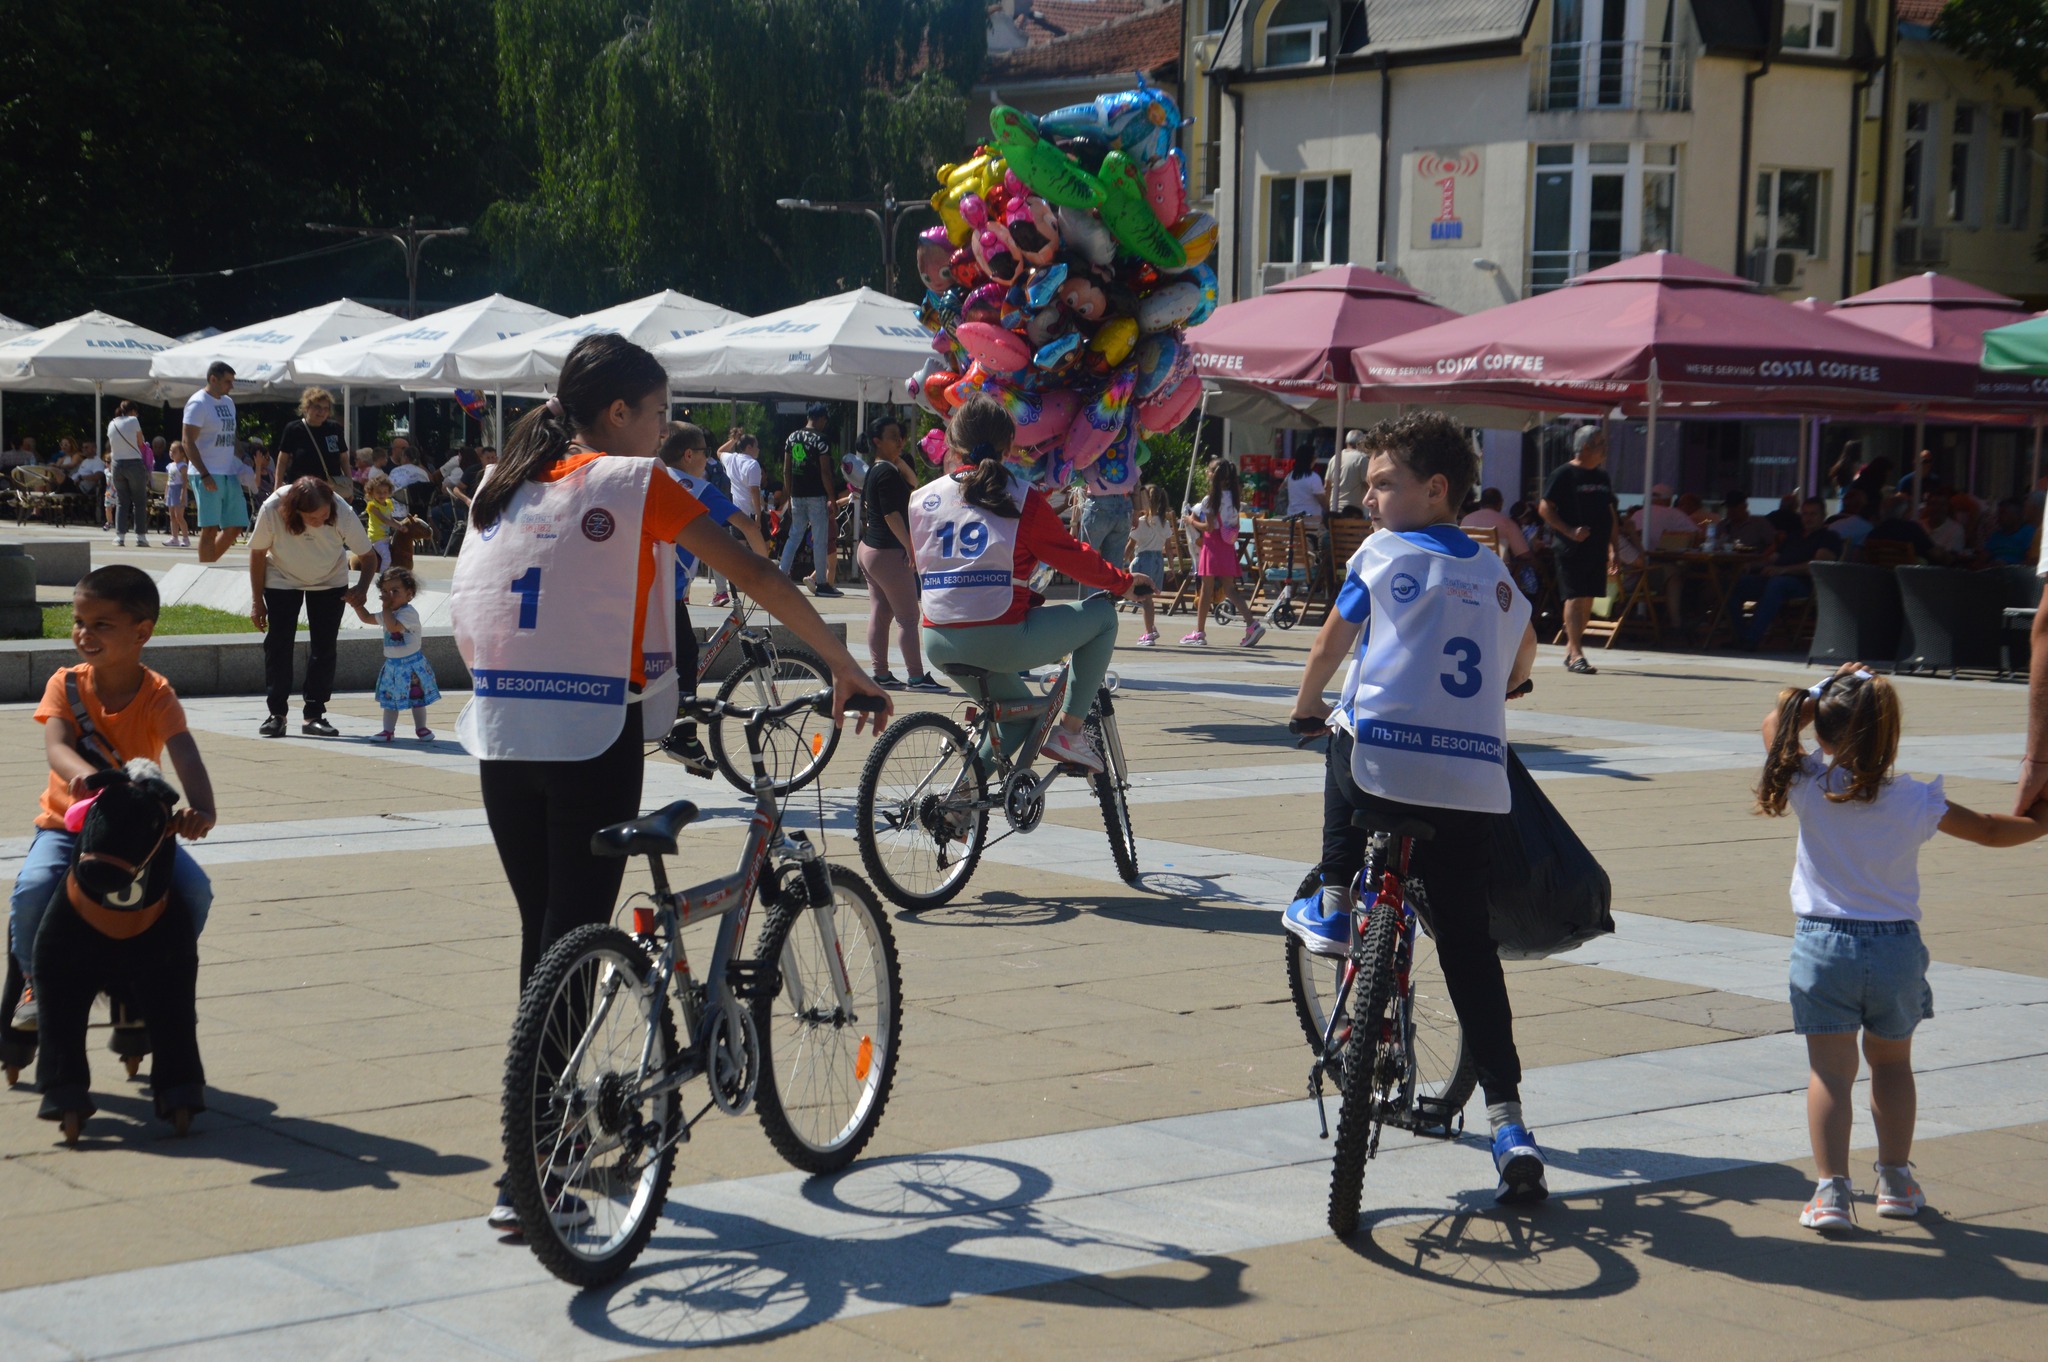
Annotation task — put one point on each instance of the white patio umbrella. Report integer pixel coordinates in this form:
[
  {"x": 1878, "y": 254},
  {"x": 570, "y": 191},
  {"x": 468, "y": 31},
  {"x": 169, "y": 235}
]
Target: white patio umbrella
[
  {"x": 533, "y": 362},
  {"x": 8, "y": 323},
  {"x": 261, "y": 354},
  {"x": 408, "y": 355},
  {"x": 90, "y": 353},
  {"x": 852, "y": 346}
]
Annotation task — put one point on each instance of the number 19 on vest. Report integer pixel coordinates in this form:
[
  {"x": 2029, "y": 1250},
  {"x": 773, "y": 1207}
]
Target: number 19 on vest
[
  {"x": 543, "y": 611},
  {"x": 966, "y": 555}
]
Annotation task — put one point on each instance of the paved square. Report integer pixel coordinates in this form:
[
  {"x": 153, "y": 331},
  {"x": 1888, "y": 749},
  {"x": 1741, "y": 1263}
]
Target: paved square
[{"x": 1097, "y": 1144}]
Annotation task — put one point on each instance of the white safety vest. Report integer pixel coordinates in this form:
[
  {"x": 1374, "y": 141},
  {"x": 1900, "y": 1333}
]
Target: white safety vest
[
  {"x": 543, "y": 611},
  {"x": 1425, "y": 700},
  {"x": 966, "y": 555}
]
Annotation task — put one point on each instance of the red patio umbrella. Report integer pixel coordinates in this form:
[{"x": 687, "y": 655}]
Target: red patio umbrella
[
  {"x": 1947, "y": 319},
  {"x": 1657, "y": 328},
  {"x": 1303, "y": 332}
]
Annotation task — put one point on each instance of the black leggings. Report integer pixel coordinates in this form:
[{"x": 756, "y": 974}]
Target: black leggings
[
  {"x": 1455, "y": 882},
  {"x": 280, "y": 641},
  {"x": 542, "y": 814}
]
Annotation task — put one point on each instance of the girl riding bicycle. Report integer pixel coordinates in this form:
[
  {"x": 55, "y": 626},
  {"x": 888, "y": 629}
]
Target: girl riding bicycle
[
  {"x": 569, "y": 671},
  {"x": 977, "y": 534}
]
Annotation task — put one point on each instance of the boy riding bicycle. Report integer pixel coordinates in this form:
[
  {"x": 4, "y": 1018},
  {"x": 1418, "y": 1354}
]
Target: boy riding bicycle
[{"x": 1437, "y": 636}]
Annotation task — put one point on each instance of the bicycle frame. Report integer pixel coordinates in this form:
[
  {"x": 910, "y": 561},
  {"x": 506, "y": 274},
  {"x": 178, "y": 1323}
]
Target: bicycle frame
[
  {"x": 1380, "y": 849},
  {"x": 730, "y": 897},
  {"x": 734, "y": 625}
]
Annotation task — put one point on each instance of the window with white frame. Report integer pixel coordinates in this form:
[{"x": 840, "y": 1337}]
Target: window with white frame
[
  {"x": 1790, "y": 212},
  {"x": 2013, "y": 182},
  {"x": 1296, "y": 32},
  {"x": 1813, "y": 26},
  {"x": 1308, "y": 220},
  {"x": 1598, "y": 202},
  {"x": 1913, "y": 176},
  {"x": 1963, "y": 169}
]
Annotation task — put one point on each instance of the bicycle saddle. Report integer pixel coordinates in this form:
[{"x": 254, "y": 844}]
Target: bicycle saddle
[
  {"x": 1394, "y": 827},
  {"x": 960, "y": 671},
  {"x": 651, "y": 834}
]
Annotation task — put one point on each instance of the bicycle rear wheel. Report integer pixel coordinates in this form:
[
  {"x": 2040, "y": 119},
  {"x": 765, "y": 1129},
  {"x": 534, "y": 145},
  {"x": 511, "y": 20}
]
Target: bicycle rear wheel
[
  {"x": 1372, "y": 994},
  {"x": 793, "y": 749},
  {"x": 579, "y": 1138},
  {"x": 827, "y": 1068},
  {"x": 921, "y": 815},
  {"x": 1110, "y": 786}
]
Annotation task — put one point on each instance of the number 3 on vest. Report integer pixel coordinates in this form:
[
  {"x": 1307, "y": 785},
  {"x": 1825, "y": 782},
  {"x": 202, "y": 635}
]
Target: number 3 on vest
[
  {"x": 526, "y": 586},
  {"x": 1465, "y": 684}
]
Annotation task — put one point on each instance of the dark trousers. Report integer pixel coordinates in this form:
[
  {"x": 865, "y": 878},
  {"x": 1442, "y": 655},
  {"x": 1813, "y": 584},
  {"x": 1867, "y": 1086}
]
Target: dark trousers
[
  {"x": 131, "y": 497},
  {"x": 323, "y": 626},
  {"x": 542, "y": 814},
  {"x": 1454, "y": 882},
  {"x": 686, "y": 650},
  {"x": 156, "y": 974}
]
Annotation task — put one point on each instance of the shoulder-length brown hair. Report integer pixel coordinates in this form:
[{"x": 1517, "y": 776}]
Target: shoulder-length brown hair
[{"x": 305, "y": 494}]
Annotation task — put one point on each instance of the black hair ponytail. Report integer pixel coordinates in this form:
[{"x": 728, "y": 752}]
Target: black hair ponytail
[
  {"x": 983, "y": 431},
  {"x": 602, "y": 369}
]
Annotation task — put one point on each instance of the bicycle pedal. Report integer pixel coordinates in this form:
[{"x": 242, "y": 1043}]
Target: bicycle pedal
[
  {"x": 1437, "y": 1119},
  {"x": 751, "y": 980}
]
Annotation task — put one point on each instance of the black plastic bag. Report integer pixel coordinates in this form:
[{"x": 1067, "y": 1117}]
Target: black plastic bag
[{"x": 1547, "y": 894}]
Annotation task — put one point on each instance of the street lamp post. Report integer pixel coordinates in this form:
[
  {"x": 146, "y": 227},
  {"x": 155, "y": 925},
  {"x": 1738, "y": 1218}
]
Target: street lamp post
[
  {"x": 411, "y": 239},
  {"x": 885, "y": 213}
]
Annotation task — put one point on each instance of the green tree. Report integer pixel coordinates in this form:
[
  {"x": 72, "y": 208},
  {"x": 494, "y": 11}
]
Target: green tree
[
  {"x": 663, "y": 131},
  {"x": 188, "y": 137}
]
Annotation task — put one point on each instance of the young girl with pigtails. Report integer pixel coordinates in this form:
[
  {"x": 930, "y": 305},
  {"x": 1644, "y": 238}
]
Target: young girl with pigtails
[{"x": 1858, "y": 965}]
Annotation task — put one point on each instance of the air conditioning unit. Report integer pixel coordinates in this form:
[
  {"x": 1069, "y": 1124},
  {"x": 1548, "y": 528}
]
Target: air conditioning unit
[
  {"x": 1272, "y": 274},
  {"x": 1775, "y": 269},
  {"x": 1921, "y": 246}
]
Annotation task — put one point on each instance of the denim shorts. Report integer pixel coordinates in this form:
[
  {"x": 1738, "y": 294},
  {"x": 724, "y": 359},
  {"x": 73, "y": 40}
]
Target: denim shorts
[
  {"x": 1152, "y": 564},
  {"x": 1850, "y": 975}
]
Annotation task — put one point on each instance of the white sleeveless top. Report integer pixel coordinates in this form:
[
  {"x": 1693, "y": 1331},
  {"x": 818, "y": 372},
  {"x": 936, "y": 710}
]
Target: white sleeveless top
[
  {"x": 966, "y": 555},
  {"x": 542, "y": 605},
  {"x": 1425, "y": 700}
]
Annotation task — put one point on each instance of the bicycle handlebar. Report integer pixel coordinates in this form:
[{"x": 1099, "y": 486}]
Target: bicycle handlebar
[{"x": 1310, "y": 728}]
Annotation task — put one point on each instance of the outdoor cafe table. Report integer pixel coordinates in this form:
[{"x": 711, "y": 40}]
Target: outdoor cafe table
[{"x": 1720, "y": 570}]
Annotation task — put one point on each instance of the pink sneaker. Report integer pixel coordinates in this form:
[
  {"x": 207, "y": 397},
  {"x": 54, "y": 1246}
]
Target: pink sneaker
[
  {"x": 1147, "y": 639},
  {"x": 385, "y": 736},
  {"x": 424, "y": 734},
  {"x": 1072, "y": 749},
  {"x": 1198, "y": 639}
]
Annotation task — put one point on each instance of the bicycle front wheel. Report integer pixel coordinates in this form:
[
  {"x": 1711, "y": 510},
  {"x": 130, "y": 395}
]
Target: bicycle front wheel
[
  {"x": 1445, "y": 1071},
  {"x": 793, "y": 749},
  {"x": 1372, "y": 995},
  {"x": 921, "y": 815},
  {"x": 1110, "y": 786},
  {"x": 829, "y": 1037},
  {"x": 1313, "y": 980},
  {"x": 588, "y": 1148}
]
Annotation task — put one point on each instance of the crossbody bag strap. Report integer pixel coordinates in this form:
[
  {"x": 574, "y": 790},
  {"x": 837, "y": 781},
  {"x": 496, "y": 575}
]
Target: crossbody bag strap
[{"x": 91, "y": 745}]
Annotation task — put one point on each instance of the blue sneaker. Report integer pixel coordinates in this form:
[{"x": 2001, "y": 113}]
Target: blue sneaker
[
  {"x": 1323, "y": 933},
  {"x": 1520, "y": 1165}
]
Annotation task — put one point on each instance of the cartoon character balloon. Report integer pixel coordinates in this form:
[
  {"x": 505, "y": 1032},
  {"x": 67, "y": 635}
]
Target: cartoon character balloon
[{"x": 1067, "y": 264}]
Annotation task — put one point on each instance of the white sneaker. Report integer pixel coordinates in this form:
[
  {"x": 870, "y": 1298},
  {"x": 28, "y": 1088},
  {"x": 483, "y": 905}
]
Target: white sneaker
[
  {"x": 1253, "y": 632},
  {"x": 1072, "y": 749},
  {"x": 120, "y": 541}
]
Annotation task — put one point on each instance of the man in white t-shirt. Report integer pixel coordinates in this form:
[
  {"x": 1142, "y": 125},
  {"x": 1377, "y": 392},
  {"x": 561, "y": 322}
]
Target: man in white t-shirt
[
  {"x": 743, "y": 469},
  {"x": 404, "y": 472},
  {"x": 210, "y": 436}
]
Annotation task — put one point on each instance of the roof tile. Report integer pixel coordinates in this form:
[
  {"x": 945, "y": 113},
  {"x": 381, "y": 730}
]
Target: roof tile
[{"x": 1142, "y": 38}]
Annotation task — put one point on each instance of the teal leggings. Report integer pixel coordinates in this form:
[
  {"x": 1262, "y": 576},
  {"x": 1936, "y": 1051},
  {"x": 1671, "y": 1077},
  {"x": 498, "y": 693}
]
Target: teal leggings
[{"x": 1087, "y": 629}]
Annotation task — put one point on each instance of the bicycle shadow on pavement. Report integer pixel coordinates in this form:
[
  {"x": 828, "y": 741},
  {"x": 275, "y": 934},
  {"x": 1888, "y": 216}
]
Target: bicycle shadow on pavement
[
  {"x": 915, "y": 1230},
  {"x": 1164, "y": 899},
  {"x": 1592, "y": 1245},
  {"x": 304, "y": 1154}
]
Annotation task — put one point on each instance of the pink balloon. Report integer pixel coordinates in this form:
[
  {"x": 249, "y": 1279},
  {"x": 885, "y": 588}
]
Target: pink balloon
[
  {"x": 997, "y": 349},
  {"x": 1041, "y": 417},
  {"x": 1169, "y": 407}
]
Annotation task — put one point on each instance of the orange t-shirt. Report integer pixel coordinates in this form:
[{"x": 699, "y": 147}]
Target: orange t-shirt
[
  {"x": 669, "y": 508},
  {"x": 139, "y": 728}
]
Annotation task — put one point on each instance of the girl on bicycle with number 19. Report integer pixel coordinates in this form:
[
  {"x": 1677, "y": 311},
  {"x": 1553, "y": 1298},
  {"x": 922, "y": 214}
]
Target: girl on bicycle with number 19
[
  {"x": 563, "y": 607},
  {"x": 1420, "y": 732},
  {"x": 977, "y": 534}
]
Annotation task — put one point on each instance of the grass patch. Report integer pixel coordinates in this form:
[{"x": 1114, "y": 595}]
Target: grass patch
[{"x": 175, "y": 619}]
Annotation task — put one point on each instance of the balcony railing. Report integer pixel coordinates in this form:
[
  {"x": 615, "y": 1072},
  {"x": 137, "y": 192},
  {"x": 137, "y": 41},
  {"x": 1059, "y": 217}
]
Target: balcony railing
[
  {"x": 1552, "y": 269},
  {"x": 1652, "y": 76}
]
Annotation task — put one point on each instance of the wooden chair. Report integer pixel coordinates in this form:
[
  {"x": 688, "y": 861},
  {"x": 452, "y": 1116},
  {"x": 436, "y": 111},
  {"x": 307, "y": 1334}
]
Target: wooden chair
[
  {"x": 1280, "y": 556},
  {"x": 36, "y": 495},
  {"x": 1485, "y": 536},
  {"x": 159, "y": 510},
  {"x": 1179, "y": 561}
]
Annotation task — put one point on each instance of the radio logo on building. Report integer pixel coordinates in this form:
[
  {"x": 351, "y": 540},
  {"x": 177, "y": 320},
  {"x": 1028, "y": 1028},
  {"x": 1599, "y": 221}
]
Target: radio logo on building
[{"x": 1447, "y": 204}]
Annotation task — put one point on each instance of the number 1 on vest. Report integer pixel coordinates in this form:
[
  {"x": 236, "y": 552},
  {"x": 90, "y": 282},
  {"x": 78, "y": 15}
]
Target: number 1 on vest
[{"x": 526, "y": 586}]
